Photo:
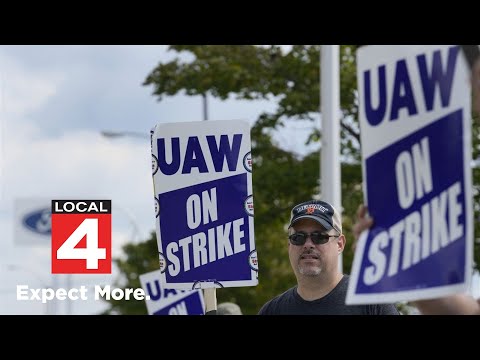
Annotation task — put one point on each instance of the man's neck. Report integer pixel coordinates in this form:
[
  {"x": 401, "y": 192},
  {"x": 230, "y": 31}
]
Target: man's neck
[{"x": 315, "y": 287}]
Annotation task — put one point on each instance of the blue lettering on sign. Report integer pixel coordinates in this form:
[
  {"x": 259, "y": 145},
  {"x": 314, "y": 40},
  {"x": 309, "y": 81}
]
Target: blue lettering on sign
[
  {"x": 185, "y": 302},
  {"x": 156, "y": 292},
  {"x": 166, "y": 168},
  {"x": 219, "y": 152},
  {"x": 402, "y": 92},
  {"x": 402, "y": 84},
  {"x": 375, "y": 116},
  {"x": 39, "y": 221},
  {"x": 419, "y": 200},
  {"x": 189, "y": 305},
  {"x": 194, "y": 155},
  {"x": 179, "y": 309},
  {"x": 205, "y": 232},
  {"x": 437, "y": 75}
]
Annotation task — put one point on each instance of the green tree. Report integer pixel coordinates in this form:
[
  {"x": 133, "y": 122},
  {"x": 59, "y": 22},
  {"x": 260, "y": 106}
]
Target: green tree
[
  {"x": 139, "y": 258},
  {"x": 280, "y": 178}
]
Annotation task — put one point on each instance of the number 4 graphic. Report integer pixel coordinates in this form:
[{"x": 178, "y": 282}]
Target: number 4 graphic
[{"x": 91, "y": 253}]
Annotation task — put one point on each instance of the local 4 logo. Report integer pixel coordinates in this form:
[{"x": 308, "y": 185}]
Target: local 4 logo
[{"x": 81, "y": 236}]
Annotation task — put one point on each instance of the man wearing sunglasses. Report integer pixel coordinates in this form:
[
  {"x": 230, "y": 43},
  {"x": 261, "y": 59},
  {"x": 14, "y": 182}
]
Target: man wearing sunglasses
[{"x": 315, "y": 242}]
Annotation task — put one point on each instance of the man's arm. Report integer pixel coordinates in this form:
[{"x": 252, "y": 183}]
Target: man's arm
[
  {"x": 362, "y": 222},
  {"x": 450, "y": 305}
]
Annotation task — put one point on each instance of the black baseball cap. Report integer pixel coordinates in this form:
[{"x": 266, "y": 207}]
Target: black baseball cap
[{"x": 320, "y": 211}]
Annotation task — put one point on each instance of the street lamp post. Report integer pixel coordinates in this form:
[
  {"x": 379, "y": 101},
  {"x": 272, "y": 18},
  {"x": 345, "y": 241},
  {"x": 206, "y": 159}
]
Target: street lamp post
[
  {"x": 117, "y": 134},
  {"x": 136, "y": 232},
  {"x": 205, "y": 107},
  {"x": 113, "y": 135},
  {"x": 330, "y": 115}
]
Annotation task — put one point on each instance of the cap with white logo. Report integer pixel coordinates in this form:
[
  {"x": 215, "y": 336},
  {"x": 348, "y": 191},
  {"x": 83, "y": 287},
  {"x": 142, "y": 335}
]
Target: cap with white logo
[{"x": 320, "y": 211}]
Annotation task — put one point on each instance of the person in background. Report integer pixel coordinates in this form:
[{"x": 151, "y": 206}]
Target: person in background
[
  {"x": 459, "y": 304},
  {"x": 315, "y": 242},
  {"x": 228, "y": 308}
]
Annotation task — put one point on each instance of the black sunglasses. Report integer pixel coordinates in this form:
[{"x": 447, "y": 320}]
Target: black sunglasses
[{"x": 300, "y": 238}]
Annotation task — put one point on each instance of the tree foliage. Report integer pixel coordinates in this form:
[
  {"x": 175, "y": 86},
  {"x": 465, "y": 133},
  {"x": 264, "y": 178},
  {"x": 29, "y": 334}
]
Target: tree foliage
[{"x": 280, "y": 178}]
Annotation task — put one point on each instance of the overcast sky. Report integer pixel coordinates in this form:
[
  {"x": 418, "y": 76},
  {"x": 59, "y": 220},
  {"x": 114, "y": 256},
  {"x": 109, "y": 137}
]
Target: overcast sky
[{"x": 54, "y": 102}]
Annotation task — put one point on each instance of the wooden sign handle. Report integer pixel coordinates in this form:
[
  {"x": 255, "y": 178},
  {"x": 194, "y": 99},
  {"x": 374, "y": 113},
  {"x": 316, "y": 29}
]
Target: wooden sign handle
[{"x": 210, "y": 296}]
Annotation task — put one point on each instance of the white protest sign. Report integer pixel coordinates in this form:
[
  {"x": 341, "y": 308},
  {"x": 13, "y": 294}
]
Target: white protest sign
[
  {"x": 202, "y": 175},
  {"x": 415, "y": 127},
  {"x": 162, "y": 301}
]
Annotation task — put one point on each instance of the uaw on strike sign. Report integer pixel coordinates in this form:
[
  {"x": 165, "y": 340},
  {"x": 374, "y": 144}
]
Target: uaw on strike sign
[
  {"x": 416, "y": 149},
  {"x": 202, "y": 175},
  {"x": 162, "y": 301}
]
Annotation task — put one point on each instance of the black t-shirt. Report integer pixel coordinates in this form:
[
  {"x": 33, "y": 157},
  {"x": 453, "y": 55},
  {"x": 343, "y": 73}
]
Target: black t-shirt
[{"x": 290, "y": 303}]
